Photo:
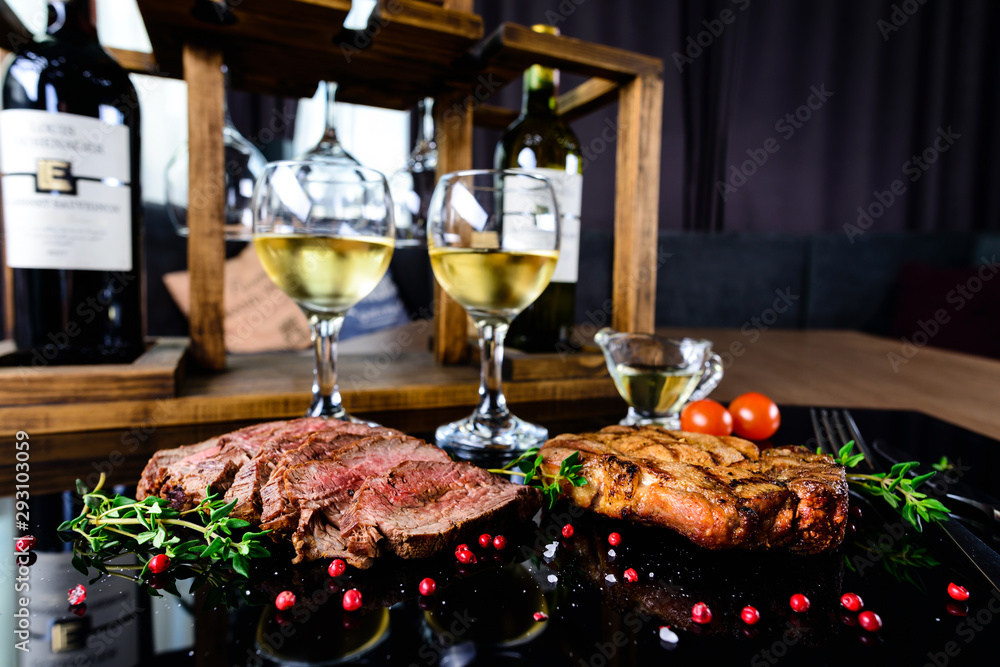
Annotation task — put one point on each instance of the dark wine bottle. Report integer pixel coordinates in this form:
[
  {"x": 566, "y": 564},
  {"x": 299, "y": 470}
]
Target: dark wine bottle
[
  {"x": 72, "y": 207},
  {"x": 540, "y": 141}
]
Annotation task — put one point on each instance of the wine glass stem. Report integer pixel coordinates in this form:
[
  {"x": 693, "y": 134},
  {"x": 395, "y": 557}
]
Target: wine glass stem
[
  {"x": 326, "y": 396},
  {"x": 492, "y": 409}
]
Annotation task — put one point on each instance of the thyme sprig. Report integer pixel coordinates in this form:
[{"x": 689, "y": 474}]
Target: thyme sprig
[
  {"x": 529, "y": 465},
  {"x": 896, "y": 487},
  {"x": 203, "y": 542}
]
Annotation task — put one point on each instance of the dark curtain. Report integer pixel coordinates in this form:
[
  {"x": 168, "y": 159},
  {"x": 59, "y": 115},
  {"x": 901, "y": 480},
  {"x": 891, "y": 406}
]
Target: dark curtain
[{"x": 797, "y": 114}]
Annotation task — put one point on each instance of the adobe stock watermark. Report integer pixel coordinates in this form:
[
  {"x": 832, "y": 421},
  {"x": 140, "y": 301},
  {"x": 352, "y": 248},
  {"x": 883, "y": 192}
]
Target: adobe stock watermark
[
  {"x": 758, "y": 325},
  {"x": 968, "y": 629},
  {"x": 565, "y": 9},
  {"x": 901, "y": 13},
  {"x": 695, "y": 45},
  {"x": 957, "y": 298},
  {"x": 914, "y": 168},
  {"x": 786, "y": 126}
]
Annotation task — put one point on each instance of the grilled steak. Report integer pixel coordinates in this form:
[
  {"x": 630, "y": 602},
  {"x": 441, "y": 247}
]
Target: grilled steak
[
  {"x": 420, "y": 508},
  {"x": 319, "y": 492},
  {"x": 717, "y": 492},
  {"x": 254, "y": 473}
]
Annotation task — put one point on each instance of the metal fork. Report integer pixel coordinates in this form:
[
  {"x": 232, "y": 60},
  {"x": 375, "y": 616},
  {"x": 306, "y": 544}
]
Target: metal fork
[
  {"x": 840, "y": 427},
  {"x": 835, "y": 428}
]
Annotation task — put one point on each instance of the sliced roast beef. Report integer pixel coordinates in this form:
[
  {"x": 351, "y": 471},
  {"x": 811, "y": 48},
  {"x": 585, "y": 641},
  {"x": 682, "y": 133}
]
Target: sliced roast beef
[
  {"x": 155, "y": 472},
  {"x": 319, "y": 492},
  {"x": 254, "y": 474},
  {"x": 185, "y": 480},
  {"x": 422, "y": 508},
  {"x": 276, "y": 513}
]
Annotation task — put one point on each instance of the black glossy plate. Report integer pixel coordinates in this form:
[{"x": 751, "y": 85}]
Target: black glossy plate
[{"x": 484, "y": 614}]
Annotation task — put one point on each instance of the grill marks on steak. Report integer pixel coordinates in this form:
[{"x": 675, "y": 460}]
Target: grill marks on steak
[
  {"x": 319, "y": 492},
  {"x": 785, "y": 497},
  {"x": 420, "y": 508}
]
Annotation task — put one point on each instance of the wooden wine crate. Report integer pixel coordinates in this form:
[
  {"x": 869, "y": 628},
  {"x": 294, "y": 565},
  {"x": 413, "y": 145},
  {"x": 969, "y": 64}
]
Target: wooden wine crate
[
  {"x": 410, "y": 50},
  {"x": 155, "y": 374}
]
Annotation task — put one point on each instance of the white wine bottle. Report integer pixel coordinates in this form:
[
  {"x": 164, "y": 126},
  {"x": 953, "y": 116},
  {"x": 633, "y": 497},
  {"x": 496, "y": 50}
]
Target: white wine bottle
[
  {"x": 540, "y": 141},
  {"x": 69, "y": 152}
]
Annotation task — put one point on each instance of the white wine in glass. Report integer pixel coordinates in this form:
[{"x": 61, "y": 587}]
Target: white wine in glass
[
  {"x": 324, "y": 234},
  {"x": 493, "y": 240}
]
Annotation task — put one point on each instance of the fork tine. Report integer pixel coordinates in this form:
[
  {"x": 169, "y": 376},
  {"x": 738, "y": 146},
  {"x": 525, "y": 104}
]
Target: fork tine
[
  {"x": 855, "y": 434},
  {"x": 822, "y": 436},
  {"x": 836, "y": 438}
]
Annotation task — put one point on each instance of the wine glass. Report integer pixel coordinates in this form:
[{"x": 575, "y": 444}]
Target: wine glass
[
  {"x": 493, "y": 240},
  {"x": 413, "y": 185},
  {"x": 329, "y": 148},
  {"x": 244, "y": 164},
  {"x": 324, "y": 234}
]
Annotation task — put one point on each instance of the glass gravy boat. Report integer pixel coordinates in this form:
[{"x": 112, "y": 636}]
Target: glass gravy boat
[{"x": 658, "y": 376}]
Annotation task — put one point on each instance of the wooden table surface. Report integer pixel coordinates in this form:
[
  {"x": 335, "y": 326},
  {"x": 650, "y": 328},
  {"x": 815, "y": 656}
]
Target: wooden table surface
[{"x": 854, "y": 370}]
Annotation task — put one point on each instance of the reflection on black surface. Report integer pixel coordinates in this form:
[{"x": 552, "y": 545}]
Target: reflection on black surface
[
  {"x": 323, "y": 641},
  {"x": 674, "y": 575}
]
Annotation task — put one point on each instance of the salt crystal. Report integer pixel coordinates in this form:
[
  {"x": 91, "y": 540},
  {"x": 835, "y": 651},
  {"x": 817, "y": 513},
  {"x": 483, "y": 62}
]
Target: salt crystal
[
  {"x": 553, "y": 578},
  {"x": 611, "y": 552},
  {"x": 668, "y": 635},
  {"x": 610, "y": 579}
]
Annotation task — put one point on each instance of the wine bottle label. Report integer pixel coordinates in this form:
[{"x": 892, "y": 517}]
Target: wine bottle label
[
  {"x": 67, "y": 200},
  {"x": 569, "y": 198}
]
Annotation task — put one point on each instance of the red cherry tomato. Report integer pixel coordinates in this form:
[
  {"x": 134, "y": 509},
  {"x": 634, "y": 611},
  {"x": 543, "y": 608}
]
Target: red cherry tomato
[
  {"x": 755, "y": 416},
  {"x": 706, "y": 416}
]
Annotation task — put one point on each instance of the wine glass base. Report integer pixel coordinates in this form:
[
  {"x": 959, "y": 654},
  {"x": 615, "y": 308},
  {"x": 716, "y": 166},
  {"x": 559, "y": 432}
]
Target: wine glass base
[
  {"x": 467, "y": 436},
  {"x": 633, "y": 418},
  {"x": 328, "y": 410}
]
